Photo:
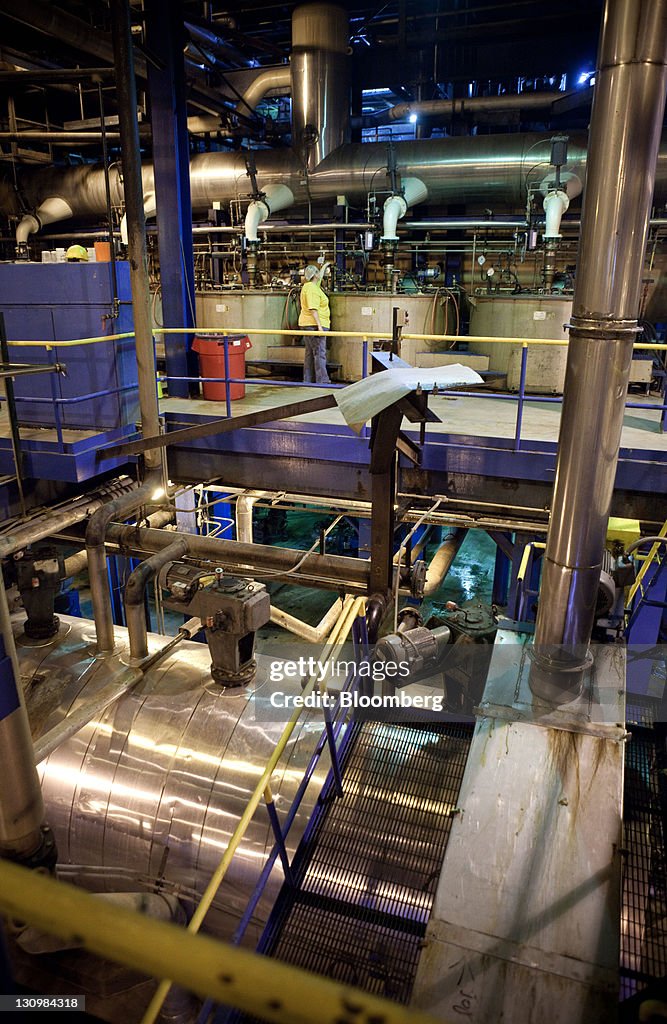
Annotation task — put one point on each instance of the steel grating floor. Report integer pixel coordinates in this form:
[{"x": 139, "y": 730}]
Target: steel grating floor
[
  {"x": 644, "y": 907},
  {"x": 367, "y": 870}
]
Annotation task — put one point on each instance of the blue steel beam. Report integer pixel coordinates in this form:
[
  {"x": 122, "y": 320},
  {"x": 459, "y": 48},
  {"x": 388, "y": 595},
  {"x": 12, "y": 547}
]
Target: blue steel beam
[
  {"x": 171, "y": 161},
  {"x": 641, "y": 470}
]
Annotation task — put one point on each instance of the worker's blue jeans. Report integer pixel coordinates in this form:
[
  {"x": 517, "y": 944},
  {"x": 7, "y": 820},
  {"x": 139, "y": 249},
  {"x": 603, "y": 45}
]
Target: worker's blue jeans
[{"x": 315, "y": 357}]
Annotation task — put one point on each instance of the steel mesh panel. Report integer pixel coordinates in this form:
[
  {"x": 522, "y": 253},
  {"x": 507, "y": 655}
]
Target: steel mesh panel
[
  {"x": 368, "y": 875},
  {"x": 644, "y": 907}
]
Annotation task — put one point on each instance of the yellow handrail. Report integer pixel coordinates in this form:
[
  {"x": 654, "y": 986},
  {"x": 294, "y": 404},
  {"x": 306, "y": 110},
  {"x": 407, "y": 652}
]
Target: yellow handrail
[
  {"x": 364, "y": 335},
  {"x": 523, "y": 567},
  {"x": 212, "y": 969},
  {"x": 337, "y": 636},
  {"x": 648, "y": 561},
  {"x": 68, "y": 344}
]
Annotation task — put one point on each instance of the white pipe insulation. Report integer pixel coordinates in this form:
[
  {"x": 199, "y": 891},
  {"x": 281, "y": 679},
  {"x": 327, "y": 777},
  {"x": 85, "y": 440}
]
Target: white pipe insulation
[
  {"x": 150, "y": 210},
  {"x": 52, "y": 209},
  {"x": 396, "y": 206},
  {"x": 557, "y": 200},
  {"x": 555, "y": 205},
  {"x": 275, "y": 198}
]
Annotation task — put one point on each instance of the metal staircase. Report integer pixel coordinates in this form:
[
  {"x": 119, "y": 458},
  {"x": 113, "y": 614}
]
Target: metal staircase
[{"x": 365, "y": 874}]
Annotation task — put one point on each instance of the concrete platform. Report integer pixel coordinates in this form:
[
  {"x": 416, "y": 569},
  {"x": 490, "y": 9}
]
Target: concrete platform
[{"x": 485, "y": 417}]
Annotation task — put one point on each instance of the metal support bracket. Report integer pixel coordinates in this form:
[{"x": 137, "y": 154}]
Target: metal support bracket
[{"x": 598, "y": 711}]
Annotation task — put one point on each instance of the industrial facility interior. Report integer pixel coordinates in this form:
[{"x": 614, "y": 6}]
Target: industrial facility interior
[{"x": 336, "y": 701}]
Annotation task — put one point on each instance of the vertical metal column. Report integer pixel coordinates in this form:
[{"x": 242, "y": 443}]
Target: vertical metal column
[
  {"x": 171, "y": 166},
  {"x": 622, "y": 152},
  {"x": 126, "y": 94},
  {"x": 23, "y": 836}
]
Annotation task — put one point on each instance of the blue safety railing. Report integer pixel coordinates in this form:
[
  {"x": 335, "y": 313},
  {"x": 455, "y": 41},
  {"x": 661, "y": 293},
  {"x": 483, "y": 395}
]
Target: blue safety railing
[
  {"x": 521, "y": 397},
  {"x": 333, "y": 738}
]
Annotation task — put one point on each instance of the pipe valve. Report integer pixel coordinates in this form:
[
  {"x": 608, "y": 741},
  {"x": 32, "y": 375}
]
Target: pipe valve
[{"x": 231, "y": 611}]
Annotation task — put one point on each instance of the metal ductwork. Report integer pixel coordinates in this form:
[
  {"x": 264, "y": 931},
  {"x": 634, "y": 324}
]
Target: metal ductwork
[
  {"x": 476, "y": 170},
  {"x": 319, "y": 67},
  {"x": 262, "y": 85}
]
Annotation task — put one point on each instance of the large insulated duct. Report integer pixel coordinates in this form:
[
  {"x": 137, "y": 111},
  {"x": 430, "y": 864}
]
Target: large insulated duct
[
  {"x": 153, "y": 787},
  {"x": 265, "y": 82},
  {"x": 626, "y": 122},
  {"x": 320, "y": 75},
  {"x": 487, "y": 171}
]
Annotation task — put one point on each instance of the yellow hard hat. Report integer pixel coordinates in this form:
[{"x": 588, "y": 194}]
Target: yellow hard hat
[{"x": 76, "y": 254}]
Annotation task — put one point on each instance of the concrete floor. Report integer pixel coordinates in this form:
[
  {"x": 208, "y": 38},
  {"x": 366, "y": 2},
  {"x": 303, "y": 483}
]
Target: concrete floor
[{"x": 484, "y": 417}]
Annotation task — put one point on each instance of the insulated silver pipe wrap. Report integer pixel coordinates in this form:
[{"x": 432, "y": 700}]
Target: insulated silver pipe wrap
[
  {"x": 155, "y": 785},
  {"x": 320, "y": 76},
  {"x": 623, "y": 149},
  {"x": 481, "y": 170}
]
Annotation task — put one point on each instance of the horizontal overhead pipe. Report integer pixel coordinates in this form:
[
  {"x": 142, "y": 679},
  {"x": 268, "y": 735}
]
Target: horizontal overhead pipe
[
  {"x": 329, "y": 572},
  {"x": 489, "y": 170},
  {"x": 67, "y": 138},
  {"x": 474, "y": 105}
]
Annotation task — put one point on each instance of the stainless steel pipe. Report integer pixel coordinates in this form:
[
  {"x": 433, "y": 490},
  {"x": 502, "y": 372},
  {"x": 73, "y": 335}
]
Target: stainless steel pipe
[
  {"x": 626, "y": 123},
  {"x": 330, "y": 572},
  {"x": 120, "y": 508},
  {"x": 54, "y": 520},
  {"x": 135, "y": 593},
  {"x": 153, "y": 787}
]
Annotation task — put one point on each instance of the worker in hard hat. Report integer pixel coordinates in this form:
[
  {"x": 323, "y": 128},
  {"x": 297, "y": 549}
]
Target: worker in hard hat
[
  {"x": 314, "y": 316},
  {"x": 76, "y": 254}
]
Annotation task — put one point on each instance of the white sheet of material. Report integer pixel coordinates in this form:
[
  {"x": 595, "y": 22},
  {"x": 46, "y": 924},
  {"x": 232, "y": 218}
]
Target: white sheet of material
[{"x": 366, "y": 398}]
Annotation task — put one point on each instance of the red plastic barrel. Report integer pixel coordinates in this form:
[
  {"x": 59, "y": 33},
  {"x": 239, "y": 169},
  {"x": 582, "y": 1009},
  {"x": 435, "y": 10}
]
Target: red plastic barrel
[{"x": 211, "y": 352}]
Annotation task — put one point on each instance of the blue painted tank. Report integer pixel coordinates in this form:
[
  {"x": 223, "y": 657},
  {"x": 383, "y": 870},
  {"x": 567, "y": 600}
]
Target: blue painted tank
[{"x": 63, "y": 302}]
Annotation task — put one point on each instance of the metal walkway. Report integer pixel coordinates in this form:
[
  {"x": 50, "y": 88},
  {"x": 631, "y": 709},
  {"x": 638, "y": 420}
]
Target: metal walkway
[
  {"x": 644, "y": 908},
  {"x": 366, "y": 872}
]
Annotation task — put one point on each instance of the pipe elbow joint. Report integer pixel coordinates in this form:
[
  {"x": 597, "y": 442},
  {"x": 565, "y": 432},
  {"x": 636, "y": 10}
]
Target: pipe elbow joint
[
  {"x": 396, "y": 206},
  {"x": 257, "y": 212},
  {"x": 28, "y": 225},
  {"x": 555, "y": 204}
]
